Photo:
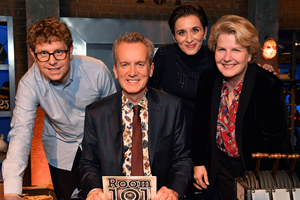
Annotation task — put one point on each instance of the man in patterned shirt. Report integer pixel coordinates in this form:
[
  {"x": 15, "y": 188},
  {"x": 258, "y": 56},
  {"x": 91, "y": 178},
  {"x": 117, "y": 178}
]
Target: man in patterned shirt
[{"x": 108, "y": 127}]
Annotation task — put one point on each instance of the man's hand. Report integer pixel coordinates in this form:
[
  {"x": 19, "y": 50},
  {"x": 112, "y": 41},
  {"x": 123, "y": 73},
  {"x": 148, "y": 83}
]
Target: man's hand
[
  {"x": 96, "y": 194},
  {"x": 201, "y": 177},
  {"x": 12, "y": 197},
  {"x": 166, "y": 193}
]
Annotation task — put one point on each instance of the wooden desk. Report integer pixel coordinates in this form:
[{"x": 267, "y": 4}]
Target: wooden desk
[
  {"x": 1, "y": 191},
  {"x": 2, "y": 157}
]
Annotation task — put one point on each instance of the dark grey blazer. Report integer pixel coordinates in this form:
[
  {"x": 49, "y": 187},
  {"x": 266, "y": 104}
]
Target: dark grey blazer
[{"x": 102, "y": 143}]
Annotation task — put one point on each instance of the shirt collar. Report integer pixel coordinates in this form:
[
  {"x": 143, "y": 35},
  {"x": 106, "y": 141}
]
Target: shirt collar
[
  {"x": 237, "y": 90},
  {"x": 127, "y": 105}
]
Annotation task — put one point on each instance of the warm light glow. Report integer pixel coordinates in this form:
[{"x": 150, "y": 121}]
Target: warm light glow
[
  {"x": 269, "y": 49},
  {"x": 40, "y": 173}
]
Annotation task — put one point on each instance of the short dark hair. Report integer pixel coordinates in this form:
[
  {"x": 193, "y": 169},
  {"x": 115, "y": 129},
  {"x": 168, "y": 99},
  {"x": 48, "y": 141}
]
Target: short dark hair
[
  {"x": 49, "y": 30},
  {"x": 187, "y": 10}
]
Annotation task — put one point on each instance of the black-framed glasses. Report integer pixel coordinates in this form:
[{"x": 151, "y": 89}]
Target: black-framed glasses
[{"x": 44, "y": 56}]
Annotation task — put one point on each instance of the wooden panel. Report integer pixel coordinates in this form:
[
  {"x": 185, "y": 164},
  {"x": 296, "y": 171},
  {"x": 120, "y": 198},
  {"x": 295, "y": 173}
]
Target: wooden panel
[{"x": 1, "y": 191}]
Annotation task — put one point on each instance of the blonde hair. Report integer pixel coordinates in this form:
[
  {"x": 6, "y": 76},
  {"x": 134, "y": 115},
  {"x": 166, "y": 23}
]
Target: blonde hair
[{"x": 244, "y": 32}]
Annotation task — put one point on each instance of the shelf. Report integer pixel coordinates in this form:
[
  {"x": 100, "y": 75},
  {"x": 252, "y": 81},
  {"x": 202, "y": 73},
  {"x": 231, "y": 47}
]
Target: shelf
[
  {"x": 285, "y": 67},
  {"x": 2, "y": 156},
  {"x": 5, "y": 114},
  {"x": 4, "y": 67},
  {"x": 9, "y": 66},
  {"x": 287, "y": 63}
]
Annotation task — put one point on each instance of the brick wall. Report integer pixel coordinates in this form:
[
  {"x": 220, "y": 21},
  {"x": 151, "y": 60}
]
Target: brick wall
[
  {"x": 289, "y": 14},
  {"x": 130, "y": 9},
  {"x": 16, "y": 8}
]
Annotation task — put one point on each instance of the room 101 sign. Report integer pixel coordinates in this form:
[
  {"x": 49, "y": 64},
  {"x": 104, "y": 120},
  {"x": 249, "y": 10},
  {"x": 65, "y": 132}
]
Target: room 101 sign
[{"x": 129, "y": 187}]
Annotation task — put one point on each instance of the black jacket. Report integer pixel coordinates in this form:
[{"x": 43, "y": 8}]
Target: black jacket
[
  {"x": 103, "y": 142},
  {"x": 261, "y": 124}
]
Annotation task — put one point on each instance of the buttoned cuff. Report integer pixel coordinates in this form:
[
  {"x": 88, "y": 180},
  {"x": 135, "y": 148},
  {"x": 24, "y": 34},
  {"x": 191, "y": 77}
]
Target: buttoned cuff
[{"x": 13, "y": 186}]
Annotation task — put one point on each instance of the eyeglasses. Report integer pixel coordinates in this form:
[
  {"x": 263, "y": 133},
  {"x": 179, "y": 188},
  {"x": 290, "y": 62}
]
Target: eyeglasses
[{"x": 44, "y": 56}]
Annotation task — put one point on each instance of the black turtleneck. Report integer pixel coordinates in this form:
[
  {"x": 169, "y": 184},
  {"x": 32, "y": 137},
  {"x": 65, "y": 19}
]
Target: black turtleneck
[{"x": 178, "y": 73}]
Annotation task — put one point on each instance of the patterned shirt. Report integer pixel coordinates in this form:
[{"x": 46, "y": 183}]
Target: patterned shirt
[
  {"x": 225, "y": 137},
  {"x": 127, "y": 118}
]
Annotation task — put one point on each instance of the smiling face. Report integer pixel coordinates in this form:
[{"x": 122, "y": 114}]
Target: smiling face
[
  {"x": 231, "y": 58},
  {"x": 189, "y": 34},
  {"x": 133, "y": 69},
  {"x": 56, "y": 70}
]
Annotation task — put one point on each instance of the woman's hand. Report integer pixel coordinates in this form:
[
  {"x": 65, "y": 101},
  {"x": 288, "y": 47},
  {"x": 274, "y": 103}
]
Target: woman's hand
[
  {"x": 269, "y": 68},
  {"x": 201, "y": 177}
]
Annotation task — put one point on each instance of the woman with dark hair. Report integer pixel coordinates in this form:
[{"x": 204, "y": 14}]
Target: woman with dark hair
[
  {"x": 177, "y": 66},
  {"x": 240, "y": 109}
]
